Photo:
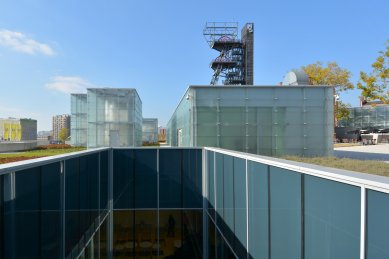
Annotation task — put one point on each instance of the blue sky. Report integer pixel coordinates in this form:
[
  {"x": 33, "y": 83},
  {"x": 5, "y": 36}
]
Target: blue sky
[{"x": 48, "y": 48}]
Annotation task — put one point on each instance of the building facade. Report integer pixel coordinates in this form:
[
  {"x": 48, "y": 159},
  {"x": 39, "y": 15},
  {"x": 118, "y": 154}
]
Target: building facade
[
  {"x": 189, "y": 203},
  {"x": 150, "y": 130},
  {"x": 79, "y": 121},
  {"x": 265, "y": 120},
  {"x": 13, "y": 129},
  {"x": 368, "y": 117},
  {"x": 107, "y": 117},
  {"x": 60, "y": 122}
]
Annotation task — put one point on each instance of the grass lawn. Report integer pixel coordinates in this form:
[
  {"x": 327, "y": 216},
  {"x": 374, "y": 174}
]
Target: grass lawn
[
  {"x": 18, "y": 156},
  {"x": 346, "y": 144},
  {"x": 362, "y": 166}
]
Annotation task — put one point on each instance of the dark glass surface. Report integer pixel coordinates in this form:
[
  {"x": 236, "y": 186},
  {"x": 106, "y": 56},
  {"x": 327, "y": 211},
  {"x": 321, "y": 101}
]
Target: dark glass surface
[
  {"x": 192, "y": 178},
  {"x": 170, "y": 178},
  {"x": 104, "y": 180},
  {"x": 145, "y": 234},
  {"x": 51, "y": 226},
  {"x": 104, "y": 239},
  {"x": 124, "y": 243},
  {"x": 27, "y": 213},
  {"x": 72, "y": 205},
  {"x": 145, "y": 178},
  {"x": 211, "y": 183},
  {"x": 219, "y": 186},
  {"x": 123, "y": 179}
]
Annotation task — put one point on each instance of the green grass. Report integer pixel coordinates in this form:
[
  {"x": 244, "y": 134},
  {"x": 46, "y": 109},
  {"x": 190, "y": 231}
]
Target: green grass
[
  {"x": 44, "y": 152},
  {"x": 362, "y": 166}
]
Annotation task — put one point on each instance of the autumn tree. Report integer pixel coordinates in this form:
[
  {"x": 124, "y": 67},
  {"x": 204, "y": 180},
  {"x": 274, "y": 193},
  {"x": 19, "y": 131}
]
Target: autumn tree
[
  {"x": 331, "y": 74},
  {"x": 374, "y": 85},
  {"x": 63, "y": 134}
]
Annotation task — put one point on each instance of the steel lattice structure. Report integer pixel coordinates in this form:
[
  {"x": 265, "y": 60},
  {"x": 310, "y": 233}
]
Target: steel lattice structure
[{"x": 235, "y": 61}]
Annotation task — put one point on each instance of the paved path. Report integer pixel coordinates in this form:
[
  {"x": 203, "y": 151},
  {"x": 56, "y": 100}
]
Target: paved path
[{"x": 367, "y": 152}]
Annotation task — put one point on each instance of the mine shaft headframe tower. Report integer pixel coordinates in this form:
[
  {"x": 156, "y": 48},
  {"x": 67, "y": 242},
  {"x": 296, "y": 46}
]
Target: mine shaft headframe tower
[{"x": 235, "y": 61}]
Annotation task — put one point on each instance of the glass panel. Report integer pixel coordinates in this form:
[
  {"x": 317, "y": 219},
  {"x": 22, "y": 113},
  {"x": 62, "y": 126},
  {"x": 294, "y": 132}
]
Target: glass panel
[
  {"x": 24, "y": 221},
  {"x": 104, "y": 180},
  {"x": 332, "y": 219},
  {"x": 285, "y": 211},
  {"x": 72, "y": 205},
  {"x": 51, "y": 235},
  {"x": 171, "y": 234},
  {"x": 377, "y": 228},
  {"x": 211, "y": 183},
  {"x": 145, "y": 178},
  {"x": 258, "y": 210},
  {"x": 146, "y": 233},
  {"x": 124, "y": 243},
  {"x": 211, "y": 246},
  {"x": 219, "y": 188},
  {"x": 240, "y": 215},
  {"x": 227, "y": 225},
  {"x": 192, "y": 178},
  {"x": 170, "y": 168},
  {"x": 123, "y": 178},
  {"x": 104, "y": 239}
]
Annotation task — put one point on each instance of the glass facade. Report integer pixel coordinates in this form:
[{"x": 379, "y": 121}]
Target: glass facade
[
  {"x": 266, "y": 120},
  {"x": 150, "y": 130},
  {"x": 188, "y": 203},
  {"x": 114, "y": 118},
  {"x": 78, "y": 120},
  {"x": 368, "y": 117}
]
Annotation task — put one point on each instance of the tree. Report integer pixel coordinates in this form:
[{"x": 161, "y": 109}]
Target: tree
[
  {"x": 374, "y": 86},
  {"x": 63, "y": 134},
  {"x": 343, "y": 111},
  {"x": 333, "y": 75}
]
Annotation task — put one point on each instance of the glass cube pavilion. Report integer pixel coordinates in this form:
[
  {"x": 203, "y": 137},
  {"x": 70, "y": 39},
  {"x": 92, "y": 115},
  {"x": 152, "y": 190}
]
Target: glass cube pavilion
[
  {"x": 189, "y": 203},
  {"x": 150, "y": 130},
  {"x": 266, "y": 120},
  {"x": 114, "y": 117}
]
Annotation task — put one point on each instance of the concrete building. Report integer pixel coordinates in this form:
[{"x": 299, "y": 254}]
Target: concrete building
[
  {"x": 107, "y": 117},
  {"x": 265, "y": 120},
  {"x": 150, "y": 130},
  {"x": 13, "y": 129},
  {"x": 60, "y": 122}
]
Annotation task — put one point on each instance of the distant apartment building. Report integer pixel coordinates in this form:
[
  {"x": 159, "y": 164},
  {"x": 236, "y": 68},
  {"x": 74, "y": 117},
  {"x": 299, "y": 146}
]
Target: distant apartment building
[
  {"x": 60, "y": 122},
  {"x": 13, "y": 129}
]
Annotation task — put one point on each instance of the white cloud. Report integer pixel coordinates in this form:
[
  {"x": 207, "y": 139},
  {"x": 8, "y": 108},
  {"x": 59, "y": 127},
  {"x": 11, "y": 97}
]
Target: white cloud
[
  {"x": 21, "y": 43},
  {"x": 69, "y": 84}
]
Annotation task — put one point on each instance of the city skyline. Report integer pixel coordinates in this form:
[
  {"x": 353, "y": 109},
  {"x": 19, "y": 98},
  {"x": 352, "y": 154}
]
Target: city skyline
[{"x": 48, "y": 50}]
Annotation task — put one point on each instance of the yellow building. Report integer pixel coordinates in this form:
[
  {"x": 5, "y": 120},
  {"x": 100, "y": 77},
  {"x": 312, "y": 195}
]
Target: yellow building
[{"x": 13, "y": 129}]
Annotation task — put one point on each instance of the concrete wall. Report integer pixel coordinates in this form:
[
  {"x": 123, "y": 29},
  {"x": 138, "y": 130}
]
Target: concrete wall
[{"x": 17, "y": 146}]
